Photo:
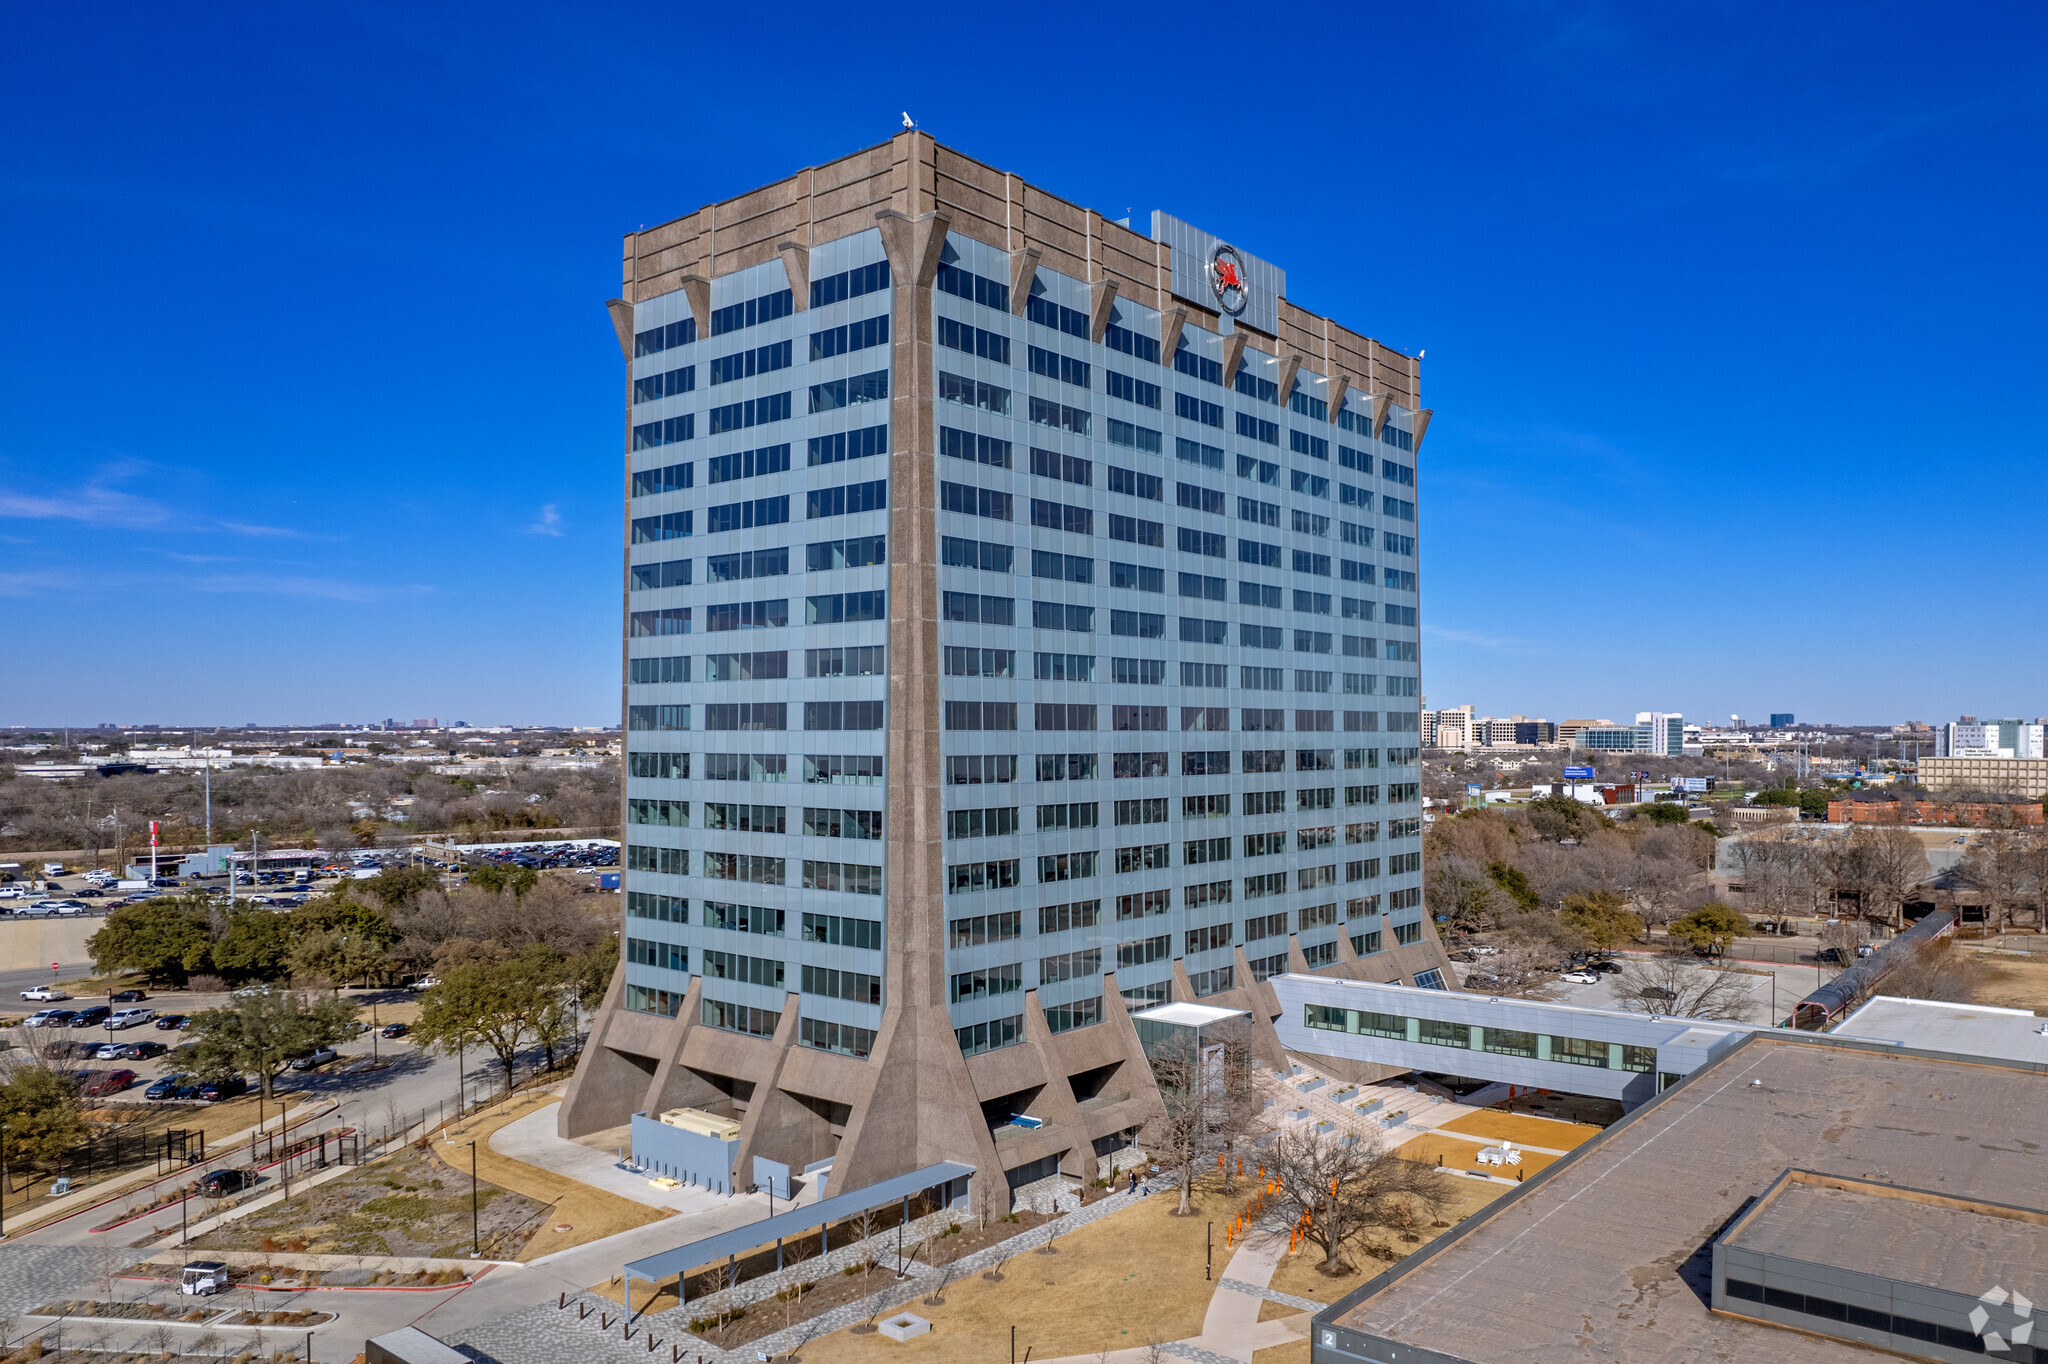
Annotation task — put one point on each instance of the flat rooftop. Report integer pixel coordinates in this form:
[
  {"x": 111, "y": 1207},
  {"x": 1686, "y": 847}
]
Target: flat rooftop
[
  {"x": 1900, "y": 1234},
  {"x": 1608, "y": 1253},
  {"x": 1930, "y": 1025}
]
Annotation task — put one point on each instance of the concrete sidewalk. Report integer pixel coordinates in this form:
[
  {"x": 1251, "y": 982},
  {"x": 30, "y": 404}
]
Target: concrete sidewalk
[{"x": 532, "y": 1141}]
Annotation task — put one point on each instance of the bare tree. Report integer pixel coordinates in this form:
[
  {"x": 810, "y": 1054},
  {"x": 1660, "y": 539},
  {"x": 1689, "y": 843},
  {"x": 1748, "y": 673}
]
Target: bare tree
[
  {"x": 1525, "y": 967},
  {"x": 1188, "y": 1093},
  {"x": 1462, "y": 888},
  {"x": 1339, "y": 1191},
  {"x": 1673, "y": 986},
  {"x": 1842, "y": 941},
  {"x": 1997, "y": 867},
  {"x": 1937, "y": 971},
  {"x": 1898, "y": 863}
]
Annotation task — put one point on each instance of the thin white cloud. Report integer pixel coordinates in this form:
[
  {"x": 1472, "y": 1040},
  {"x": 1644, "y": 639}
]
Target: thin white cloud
[
  {"x": 265, "y": 532},
  {"x": 1472, "y": 637},
  {"x": 324, "y": 589},
  {"x": 550, "y": 522},
  {"x": 29, "y": 584},
  {"x": 94, "y": 503}
]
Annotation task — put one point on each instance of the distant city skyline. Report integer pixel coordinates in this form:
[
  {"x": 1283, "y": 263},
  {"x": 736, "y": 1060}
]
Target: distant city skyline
[{"x": 311, "y": 395}]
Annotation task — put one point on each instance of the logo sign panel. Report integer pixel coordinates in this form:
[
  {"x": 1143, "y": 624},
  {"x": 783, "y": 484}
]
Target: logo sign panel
[
  {"x": 1215, "y": 275},
  {"x": 1227, "y": 278},
  {"x": 1578, "y": 774}
]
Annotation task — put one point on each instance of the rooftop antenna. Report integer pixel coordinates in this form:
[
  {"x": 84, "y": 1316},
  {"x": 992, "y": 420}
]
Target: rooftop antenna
[{"x": 909, "y": 123}]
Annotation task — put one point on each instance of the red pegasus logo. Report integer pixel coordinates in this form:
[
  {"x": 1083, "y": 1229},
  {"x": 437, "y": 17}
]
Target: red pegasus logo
[{"x": 1226, "y": 276}]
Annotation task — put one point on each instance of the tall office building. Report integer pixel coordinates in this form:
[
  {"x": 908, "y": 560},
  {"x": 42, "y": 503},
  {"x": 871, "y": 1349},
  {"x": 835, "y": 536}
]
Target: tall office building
[
  {"x": 1973, "y": 738},
  {"x": 1020, "y": 633}
]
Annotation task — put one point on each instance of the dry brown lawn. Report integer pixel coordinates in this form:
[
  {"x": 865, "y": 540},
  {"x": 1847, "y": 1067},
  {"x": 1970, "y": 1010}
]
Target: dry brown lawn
[
  {"x": 2013, "y": 982},
  {"x": 1301, "y": 1273},
  {"x": 1523, "y": 1129},
  {"x": 1115, "y": 1282},
  {"x": 1293, "y": 1352},
  {"x": 1459, "y": 1155},
  {"x": 590, "y": 1213}
]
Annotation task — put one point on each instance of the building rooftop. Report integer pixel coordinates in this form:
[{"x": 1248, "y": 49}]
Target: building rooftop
[
  {"x": 1607, "y": 1254},
  {"x": 1964, "y": 1247},
  {"x": 1187, "y": 1015},
  {"x": 1969, "y": 1029}
]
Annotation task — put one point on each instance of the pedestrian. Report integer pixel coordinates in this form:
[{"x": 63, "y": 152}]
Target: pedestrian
[{"x": 1134, "y": 1179}]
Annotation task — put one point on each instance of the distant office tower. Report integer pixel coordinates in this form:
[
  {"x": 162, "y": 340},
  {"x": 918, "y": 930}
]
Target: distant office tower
[
  {"x": 1781, "y": 720},
  {"x": 1063, "y": 584},
  {"x": 1451, "y": 728},
  {"x": 1972, "y": 738},
  {"x": 1654, "y": 732}
]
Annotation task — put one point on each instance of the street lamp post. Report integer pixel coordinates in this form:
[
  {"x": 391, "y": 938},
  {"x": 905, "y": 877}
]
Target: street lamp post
[
  {"x": 475, "y": 1249},
  {"x": 5, "y": 1132}
]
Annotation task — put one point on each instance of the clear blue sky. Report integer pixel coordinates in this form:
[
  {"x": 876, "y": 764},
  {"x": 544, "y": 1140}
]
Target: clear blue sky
[{"x": 309, "y": 408}]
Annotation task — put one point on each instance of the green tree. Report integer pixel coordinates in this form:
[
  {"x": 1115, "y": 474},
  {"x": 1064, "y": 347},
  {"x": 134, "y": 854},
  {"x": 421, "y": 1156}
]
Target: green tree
[
  {"x": 1512, "y": 880},
  {"x": 1813, "y": 804},
  {"x": 543, "y": 972},
  {"x": 260, "y": 1033},
  {"x": 494, "y": 1004},
  {"x": 1665, "y": 812},
  {"x": 39, "y": 1107},
  {"x": 590, "y": 971},
  {"x": 397, "y": 886},
  {"x": 257, "y": 943},
  {"x": 1558, "y": 817},
  {"x": 498, "y": 877},
  {"x": 1710, "y": 928},
  {"x": 338, "y": 955},
  {"x": 1602, "y": 918},
  {"x": 166, "y": 939}
]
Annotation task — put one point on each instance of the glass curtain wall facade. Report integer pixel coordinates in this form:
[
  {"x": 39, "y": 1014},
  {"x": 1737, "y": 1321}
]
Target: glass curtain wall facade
[{"x": 1178, "y": 618}]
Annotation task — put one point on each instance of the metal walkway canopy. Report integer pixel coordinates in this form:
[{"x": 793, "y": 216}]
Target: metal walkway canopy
[{"x": 726, "y": 1244}]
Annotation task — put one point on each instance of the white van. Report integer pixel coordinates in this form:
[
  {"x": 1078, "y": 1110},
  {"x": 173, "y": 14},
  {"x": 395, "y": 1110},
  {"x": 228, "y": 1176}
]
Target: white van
[
  {"x": 131, "y": 1018},
  {"x": 53, "y": 868}
]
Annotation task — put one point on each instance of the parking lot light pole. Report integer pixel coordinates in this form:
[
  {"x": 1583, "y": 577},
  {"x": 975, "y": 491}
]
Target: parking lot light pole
[
  {"x": 4, "y": 1133},
  {"x": 475, "y": 1247}
]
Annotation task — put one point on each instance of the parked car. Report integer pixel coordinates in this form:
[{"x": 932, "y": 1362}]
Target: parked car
[
  {"x": 422, "y": 983},
  {"x": 188, "y": 1090},
  {"x": 1656, "y": 992},
  {"x": 394, "y": 1030},
  {"x": 319, "y": 1056},
  {"x": 168, "y": 1022},
  {"x": 70, "y": 1051},
  {"x": 44, "y": 993},
  {"x": 89, "y": 893},
  {"x": 49, "y": 1018},
  {"x": 110, "y": 1082},
  {"x": 167, "y": 1087},
  {"x": 221, "y": 1183},
  {"x": 100, "y": 1051},
  {"x": 131, "y": 1018},
  {"x": 91, "y": 1018},
  {"x": 140, "y": 1051},
  {"x": 127, "y": 997},
  {"x": 1606, "y": 968},
  {"x": 216, "y": 1090},
  {"x": 1582, "y": 977}
]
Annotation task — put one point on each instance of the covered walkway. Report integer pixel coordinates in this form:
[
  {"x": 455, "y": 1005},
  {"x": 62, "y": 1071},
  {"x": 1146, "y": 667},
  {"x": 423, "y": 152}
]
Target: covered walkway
[{"x": 947, "y": 1179}]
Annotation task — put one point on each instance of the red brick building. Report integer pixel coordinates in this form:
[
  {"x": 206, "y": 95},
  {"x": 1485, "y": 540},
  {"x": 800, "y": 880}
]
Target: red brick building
[{"x": 1887, "y": 807}]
